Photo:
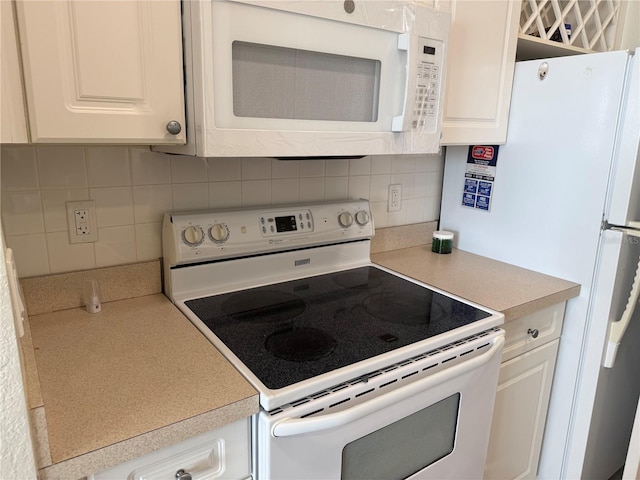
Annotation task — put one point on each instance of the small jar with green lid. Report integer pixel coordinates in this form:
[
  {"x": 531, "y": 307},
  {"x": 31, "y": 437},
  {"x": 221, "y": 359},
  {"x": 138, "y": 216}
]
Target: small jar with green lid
[{"x": 442, "y": 241}]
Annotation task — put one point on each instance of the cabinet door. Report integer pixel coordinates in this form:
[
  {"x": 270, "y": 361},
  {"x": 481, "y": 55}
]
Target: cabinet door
[
  {"x": 480, "y": 64},
  {"x": 13, "y": 128},
  {"x": 520, "y": 412},
  {"x": 102, "y": 71}
]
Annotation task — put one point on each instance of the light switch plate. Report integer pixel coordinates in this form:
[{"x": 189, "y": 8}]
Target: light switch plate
[{"x": 81, "y": 221}]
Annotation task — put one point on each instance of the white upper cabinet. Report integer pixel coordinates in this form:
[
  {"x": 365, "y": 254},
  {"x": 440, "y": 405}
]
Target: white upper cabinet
[
  {"x": 480, "y": 64},
  {"x": 13, "y": 128},
  {"x": 102, "y": 71}
]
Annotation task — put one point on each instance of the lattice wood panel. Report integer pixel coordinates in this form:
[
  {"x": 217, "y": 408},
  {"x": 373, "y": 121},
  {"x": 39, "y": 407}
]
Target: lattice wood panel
[{"x": 588, "y": 24}]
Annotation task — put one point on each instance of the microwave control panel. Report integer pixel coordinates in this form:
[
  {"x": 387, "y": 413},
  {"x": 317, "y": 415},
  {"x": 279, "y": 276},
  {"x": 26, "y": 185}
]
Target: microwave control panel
[{"x": 429, "y": 69}]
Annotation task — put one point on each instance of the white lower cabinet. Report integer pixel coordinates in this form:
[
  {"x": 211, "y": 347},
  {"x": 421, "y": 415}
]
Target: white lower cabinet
[
  {"x": 522, "y": 399},
  {"x": 221, "y": 454}
]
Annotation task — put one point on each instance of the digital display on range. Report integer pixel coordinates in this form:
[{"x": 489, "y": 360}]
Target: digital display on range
[
  {"x": 429, "y": 50},
  {"x": 286, "y": 224}
]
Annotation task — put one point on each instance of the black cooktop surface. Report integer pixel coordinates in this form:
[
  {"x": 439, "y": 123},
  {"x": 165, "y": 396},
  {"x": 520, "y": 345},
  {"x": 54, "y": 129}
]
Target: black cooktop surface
[{"x": 292, "y": 331}]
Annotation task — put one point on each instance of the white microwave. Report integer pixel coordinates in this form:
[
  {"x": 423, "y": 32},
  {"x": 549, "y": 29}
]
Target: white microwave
[{"x": 312, "y": 78}]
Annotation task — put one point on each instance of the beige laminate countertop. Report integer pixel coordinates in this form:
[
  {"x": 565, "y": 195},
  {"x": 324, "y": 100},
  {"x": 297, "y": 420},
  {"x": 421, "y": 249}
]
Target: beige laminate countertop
[
  {"x": 110, "y": 387},
  {"x": 133, "y": 378},
  {"x": 514, "y": 291}
]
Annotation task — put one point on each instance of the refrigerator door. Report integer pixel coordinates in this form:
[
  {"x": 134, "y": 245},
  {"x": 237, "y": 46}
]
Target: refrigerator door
[
  {"x": 623, "y": 204},
  {"x": 550, "y": 191},
  {"x": 632, "y": 465},
  {"x": 604, "y": 416}
]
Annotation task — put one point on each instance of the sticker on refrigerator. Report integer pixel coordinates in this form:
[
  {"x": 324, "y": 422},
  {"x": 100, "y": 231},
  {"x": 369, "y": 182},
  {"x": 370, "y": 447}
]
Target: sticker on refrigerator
[{"x": 480, "y": 176}]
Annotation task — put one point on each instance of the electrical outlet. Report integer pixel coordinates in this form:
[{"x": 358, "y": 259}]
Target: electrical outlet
[
  {"x": 81, "y": 220},
  {"x": 395, "y": 198}
]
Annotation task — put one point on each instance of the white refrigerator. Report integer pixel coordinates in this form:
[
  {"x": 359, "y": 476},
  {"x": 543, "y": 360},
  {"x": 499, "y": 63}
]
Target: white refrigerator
[{"x": 564, "y": 199}]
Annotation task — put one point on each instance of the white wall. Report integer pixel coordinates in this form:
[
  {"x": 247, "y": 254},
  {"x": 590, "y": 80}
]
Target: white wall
[
  {"x": 16, "y": 452},
  {"x": 133, "y": 187}
]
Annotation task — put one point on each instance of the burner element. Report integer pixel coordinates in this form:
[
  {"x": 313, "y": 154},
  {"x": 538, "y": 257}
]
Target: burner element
[
  {"x": 300, "y": 344},
  {"x": 263, "y": 306},
  {"x": 403, "y": 309}
]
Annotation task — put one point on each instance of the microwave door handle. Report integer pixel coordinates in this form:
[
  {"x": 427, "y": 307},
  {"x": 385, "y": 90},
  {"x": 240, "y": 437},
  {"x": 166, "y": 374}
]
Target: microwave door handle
[
  {"x": 288, "y": 427},
  {"x": 402, "y": 122},
  {"x": 617, "y": 329}
]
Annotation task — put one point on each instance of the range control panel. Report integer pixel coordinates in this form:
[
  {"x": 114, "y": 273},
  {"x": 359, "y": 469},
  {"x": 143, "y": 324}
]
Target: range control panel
[{"x": 209, "y": 235}]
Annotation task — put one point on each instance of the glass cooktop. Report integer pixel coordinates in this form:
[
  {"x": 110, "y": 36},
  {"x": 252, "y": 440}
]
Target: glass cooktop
[{"x": 292, "y": 331}]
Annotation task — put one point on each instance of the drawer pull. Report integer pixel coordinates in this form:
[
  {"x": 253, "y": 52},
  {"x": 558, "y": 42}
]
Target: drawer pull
[
  {"x": 182, "y": 475},
  {"x": 533, "y": 332}
]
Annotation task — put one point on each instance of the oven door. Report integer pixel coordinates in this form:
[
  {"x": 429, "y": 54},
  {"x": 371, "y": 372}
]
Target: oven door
[{"x": 434, "y": 427}]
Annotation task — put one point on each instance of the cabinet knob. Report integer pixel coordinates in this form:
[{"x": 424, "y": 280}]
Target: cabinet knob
[
  {"x": 533, "y": 332},
  {"x": 349, "y": 6},
  {"x": 174, "y": 127},
  {"x": 182, "y": 475}
]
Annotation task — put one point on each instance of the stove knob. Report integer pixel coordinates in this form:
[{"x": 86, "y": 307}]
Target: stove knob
[
  {"x": 362, "y": 218},
  {"x": 192, "y": 236},
  {"x": 219, "y": 233},
  {"x": 345, "y": 219}
]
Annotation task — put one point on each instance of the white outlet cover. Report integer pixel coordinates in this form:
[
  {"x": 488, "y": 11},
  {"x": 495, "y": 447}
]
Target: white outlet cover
[
  {"x": 395, "y": 198},
  {"x": 88, "y": 227}
]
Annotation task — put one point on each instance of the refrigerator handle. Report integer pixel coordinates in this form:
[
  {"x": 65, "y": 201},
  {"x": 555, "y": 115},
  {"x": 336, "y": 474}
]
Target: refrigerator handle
[{"x": 617, "y": 329}]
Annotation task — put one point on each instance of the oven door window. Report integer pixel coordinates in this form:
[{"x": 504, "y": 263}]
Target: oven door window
[
  {"x": 287, "y": 83},
  {"x": 417, "y": 441}
]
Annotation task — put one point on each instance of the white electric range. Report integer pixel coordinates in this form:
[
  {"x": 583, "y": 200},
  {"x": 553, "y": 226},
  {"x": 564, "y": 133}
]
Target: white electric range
[{"x": 362, "y": 372}]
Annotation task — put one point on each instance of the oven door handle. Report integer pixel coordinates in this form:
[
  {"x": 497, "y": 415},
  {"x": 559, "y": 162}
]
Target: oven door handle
[{"x": 288, "y": 427}]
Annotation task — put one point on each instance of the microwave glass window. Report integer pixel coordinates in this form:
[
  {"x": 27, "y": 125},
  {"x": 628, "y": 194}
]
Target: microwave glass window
[
  {"x": 417, "y": 441},
  {"x": 286, "y": 83}
]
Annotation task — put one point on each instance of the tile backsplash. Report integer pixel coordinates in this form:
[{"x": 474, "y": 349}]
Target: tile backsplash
[{"x": 134, "y": 186}]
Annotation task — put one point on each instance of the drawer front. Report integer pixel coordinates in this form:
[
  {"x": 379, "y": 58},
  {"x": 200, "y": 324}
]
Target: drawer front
[
  {"x": 527, "y": 333},
  {"x": 223, "y": 453}
]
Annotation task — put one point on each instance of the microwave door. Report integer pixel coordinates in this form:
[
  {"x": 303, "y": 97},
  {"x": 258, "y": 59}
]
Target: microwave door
[
  {"x": 289, "y": 72},
  {"x": 304, "y": 73}
]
